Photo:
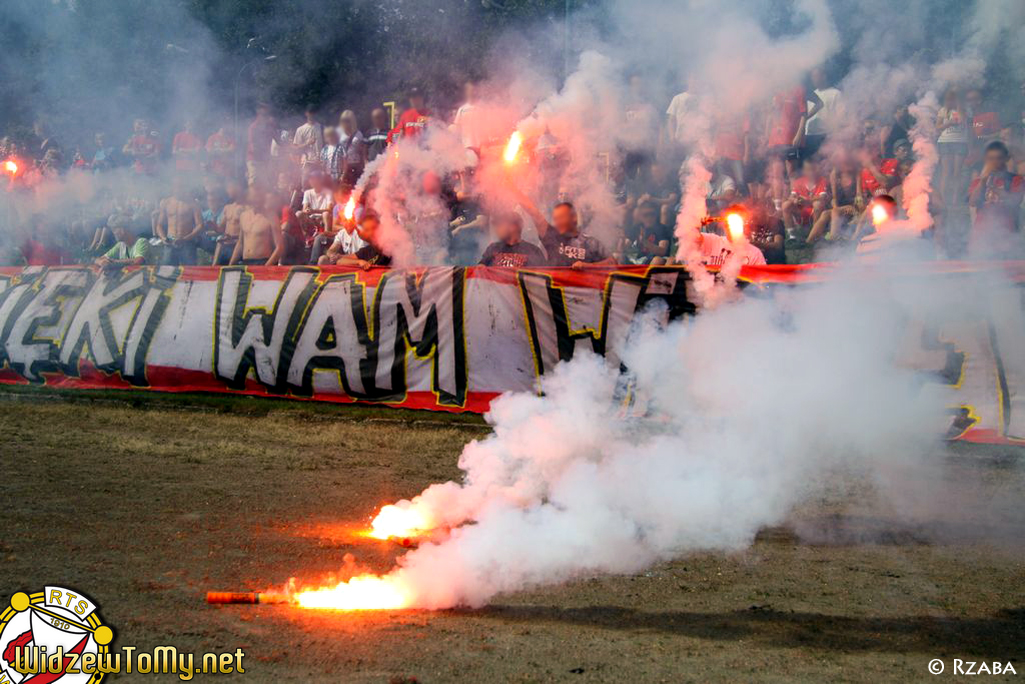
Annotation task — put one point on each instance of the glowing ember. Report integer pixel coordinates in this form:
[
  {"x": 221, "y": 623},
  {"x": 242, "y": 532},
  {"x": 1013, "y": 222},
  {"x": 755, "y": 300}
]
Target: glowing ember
[
  {"x": 394, "y": 522},
  {"x": 512, "y": 148},
  {"x": 363, "y": 592},
  {"x": 350, "y": 207},
  {"x": 879, "y": 214},
  {"x": 11, "y": 166},
  {"x": 735, "y": 226}
]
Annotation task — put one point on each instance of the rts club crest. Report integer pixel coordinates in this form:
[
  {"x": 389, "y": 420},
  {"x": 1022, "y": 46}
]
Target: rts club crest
[{"x": 55, "y": 628}]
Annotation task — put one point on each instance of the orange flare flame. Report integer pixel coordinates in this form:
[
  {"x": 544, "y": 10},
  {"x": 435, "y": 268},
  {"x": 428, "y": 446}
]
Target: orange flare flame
[
  {"x": 735, "y": 226},
  {"x": 395, "y": 522},
  {"x": 363, "y": 592},
  {"x": 512, "y": 148},
  {"x": 350, "y": 207},
  {"x": 879, "y": 214},
  {"x": 11, "y": 166}
]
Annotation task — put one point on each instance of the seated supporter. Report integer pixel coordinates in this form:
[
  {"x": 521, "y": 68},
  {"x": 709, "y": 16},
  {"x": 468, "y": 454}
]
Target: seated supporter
[
  {"x": 764, "y": 229},
  {"x": 648, "y": 238},
  {"x": 660, "y": 185},
  {"x": 721, "y": 191},
  {"x": 370, "y": 254},
  {"x": 564, "y": 243},
  {"x": 129, "y": 250},
  {"x": 809, "y": 194},
  {"x": 878, "y": 175},
  {"x": 509, "y": 250},
  {"x": 346, "y": 241},
  {"x": 996, "y": 196},
  {"x": 716, "y": 250},
  {"x": 847, "y": 204}
]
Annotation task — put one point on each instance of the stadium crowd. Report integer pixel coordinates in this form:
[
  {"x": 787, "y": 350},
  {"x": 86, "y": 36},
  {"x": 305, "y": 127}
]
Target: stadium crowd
[{"x": 275, "y": 193}]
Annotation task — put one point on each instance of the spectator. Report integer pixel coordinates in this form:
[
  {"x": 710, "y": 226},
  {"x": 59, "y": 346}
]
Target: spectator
[
  {"x": 220, "y": 151},
  {"x": 315, "y": 215},
  {"x": 716, "y": 250},
  {"x": 984, "y": 126},
  {"x": 899, "y": 128},
  {"x": 952, "y": 143},
  {"x": 179, "y": 224},
  {"x": 823, "y": 120},
  {"x": 649, "y": 237},
  {"x": 353, "y": 148},
  {"x": 347, "y": 240},
  {"x": 721, "y": 191},
  {"x": 308, "y": 140},
  {"x": 469, "y": 119},
  {"x": 661, "y": 186},
  {"x": 784, "y": 134},
  {"x": 564, "y": 243},
  {"x": 765, "y": 230},
  {"x": 996, "y": 198},
  {"x": 142, "y": 148},
  {"x": 878, "y": 175},
  {"x": 809, "y": 194},
  {"x": 259, "y": 138},
  {"x": 414, "y": 120},
  {"x": 229, "y": 225},
  {"x": 261, "y": 241},
  {"x": 847, "y": 204},
  {"x": 186, "y": 148},
  {"x": 509, "y": 250},
  {"x": 371, "y": 254},
  {"x": 678, "y": 135},
  {"x": 332, "y": 156},
  {"x": 103, "y": 157},
  {"x": 639, "y": 135},
  {"x": 376, "y": 138},
  {"x": 129, "y": 250}
]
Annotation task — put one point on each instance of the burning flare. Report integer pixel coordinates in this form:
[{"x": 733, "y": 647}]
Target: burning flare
[
  {"x": 512, "y": 148},
  {"x": 735, "y": 226},
  {"x": 11, "y": 166},
  {"x": 395, "y": 522},
  {"x": 363, "y": 592},
  {"x": 879, "y": 214},
  {"x": 350, "y": 207}
]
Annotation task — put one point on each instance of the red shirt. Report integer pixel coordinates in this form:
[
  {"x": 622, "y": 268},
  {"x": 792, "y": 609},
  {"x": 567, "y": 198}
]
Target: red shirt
[
  {"x": 220, "y": 148},
  {"x": 145, "y": 148},
  {"x": 189, "y": 142},
  {"x": 729, "y": 140},
  {"x": 411, "y": 123},
  {"x": 803, "y": 188},
  {"x": 996, "y": 212},
  {"x": 869, "y": 184},
  {"x": 789, "y": 107}
]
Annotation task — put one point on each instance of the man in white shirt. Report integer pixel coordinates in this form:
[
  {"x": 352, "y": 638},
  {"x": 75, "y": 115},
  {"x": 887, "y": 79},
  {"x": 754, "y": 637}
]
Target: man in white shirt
[
  {"x": 823, "y": 122},
  {"x": 308, "y": 140},
  {"x": 468, "y": 122},
  {"x": 346, "y": 243},
  {"x": 318, "y": 200},
  {"x": 716, "y": 251},
  {"x": 677, "y": 134}
]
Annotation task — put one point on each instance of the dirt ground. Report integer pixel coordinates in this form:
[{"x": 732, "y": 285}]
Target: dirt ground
[{"x": 146, "y": 505}]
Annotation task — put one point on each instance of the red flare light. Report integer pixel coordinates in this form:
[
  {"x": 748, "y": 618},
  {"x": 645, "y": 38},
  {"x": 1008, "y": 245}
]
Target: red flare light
[
  {"x": 350, "y": 208},
  {"x": 879, "y": 214},
  {"x": 735, "y": 226},
  {"x": 512, "y": 148},
  {"x": 362, "y": 592},
  {"x": 11, "y": 167}
]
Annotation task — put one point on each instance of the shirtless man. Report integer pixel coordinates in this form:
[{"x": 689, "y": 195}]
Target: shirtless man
[
  {"x": 260, "y": 242},
  {"x": 230, "y": 225},
  {"x": 179, "y": 224}
]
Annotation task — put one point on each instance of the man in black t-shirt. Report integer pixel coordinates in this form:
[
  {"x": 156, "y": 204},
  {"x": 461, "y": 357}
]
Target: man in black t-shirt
[
  {"x": 510, "y": 251},
  {"x": 564, "y": 243},
  {"x": 370, "y": 255}
]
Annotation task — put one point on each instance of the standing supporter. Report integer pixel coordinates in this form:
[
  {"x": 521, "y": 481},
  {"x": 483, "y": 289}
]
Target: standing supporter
[
  {"x": 952, "y": 143},
  {"x": 996, "y": 196},
  {"x": 103, "y": 157},
  {"x": 509, "y": 250},
  {"x": 353, "y": 148},
  {"x": 809, "y": 194},
  {"x": 984, "y": 126},
  {"x": 332, "y": 157},
  {"x": 186, "y": 148},
  {"x": 309, "y": 137},
  {"x": 785, "y": 132},
  {"x": 414, "y": 120},
  {"x": 229, "y": 225},
  {"x": 468, "y": 123},
  {"x": 640, "y": 133},
  {"x": 179, "y": 224},
  {"x": 259, "y": 138},
  {"x": 731, "y": 147},
  {"x": 677, "y": 136},
  {"x": 315, "y": 215},
  {"x": 142, "y": 148},
  {"x": 376, "y": 138},
  {"x": 261, "y": 241},
  {"x": 823, "y": 121},
  {"x": 220, "y": 152}
]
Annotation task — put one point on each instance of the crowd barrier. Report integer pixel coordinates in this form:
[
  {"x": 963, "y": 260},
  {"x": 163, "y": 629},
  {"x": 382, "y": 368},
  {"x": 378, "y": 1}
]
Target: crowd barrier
[{"x": 436, "y": 338}]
